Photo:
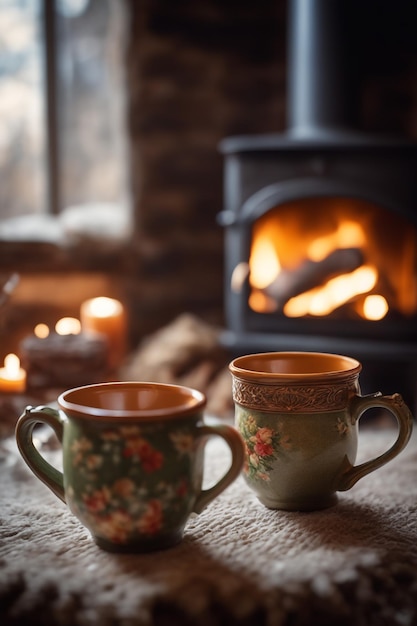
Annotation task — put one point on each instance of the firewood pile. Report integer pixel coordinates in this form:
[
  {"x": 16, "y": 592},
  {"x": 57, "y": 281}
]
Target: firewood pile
[{"x": 186, "y": 352}]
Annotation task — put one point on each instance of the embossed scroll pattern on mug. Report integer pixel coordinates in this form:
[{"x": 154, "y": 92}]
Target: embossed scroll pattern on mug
[{"x": 320, "y": 397}]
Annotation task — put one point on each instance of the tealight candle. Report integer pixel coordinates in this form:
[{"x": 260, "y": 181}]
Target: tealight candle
[
  {"x": 107, "y": 317},
  {"x": 64, "y": 357},
  {"x": 12, "y": 376}
]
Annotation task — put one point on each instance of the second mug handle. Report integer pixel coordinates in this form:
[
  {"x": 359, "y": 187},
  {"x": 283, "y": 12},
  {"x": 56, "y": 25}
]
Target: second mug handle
[
  {"x": 395, "y": 405},
  {"x": 235, "y": 443}
]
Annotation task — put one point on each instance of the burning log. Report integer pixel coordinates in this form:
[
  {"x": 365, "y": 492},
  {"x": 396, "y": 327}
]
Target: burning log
[{"x": 310, "y": 274}]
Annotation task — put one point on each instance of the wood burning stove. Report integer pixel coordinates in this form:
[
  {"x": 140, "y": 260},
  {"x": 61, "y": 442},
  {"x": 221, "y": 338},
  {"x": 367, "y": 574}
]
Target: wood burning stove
[{"x": 321, "y": 221}]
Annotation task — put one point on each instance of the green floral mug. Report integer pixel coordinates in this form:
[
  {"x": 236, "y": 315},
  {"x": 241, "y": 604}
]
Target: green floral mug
[
  {"x": 133, "y": 456},
  {"x": 298, "y": 414}
]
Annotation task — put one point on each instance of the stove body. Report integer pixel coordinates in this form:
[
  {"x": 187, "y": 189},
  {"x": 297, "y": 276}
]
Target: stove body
[{"x": 291, "y": 192}]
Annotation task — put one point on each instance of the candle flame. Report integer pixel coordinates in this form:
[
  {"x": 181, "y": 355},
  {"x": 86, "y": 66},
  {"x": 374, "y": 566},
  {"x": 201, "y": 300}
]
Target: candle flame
[
  {"x": 41, "y": 331},
  {"x": 68, "y": 326},
  {"x": 104, "y": 307},
  {"x": 11, "y": 366}
]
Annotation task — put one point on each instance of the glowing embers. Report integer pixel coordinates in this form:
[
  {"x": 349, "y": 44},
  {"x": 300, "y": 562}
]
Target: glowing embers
[
  {"x": 336, "y": 292},
  {"x": 375, "y": 307},
  {"x": 322, "y": 257}
]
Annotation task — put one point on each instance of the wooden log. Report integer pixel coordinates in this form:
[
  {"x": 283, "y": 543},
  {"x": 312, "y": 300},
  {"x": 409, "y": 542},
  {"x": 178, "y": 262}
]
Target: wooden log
[{"x": 310, "y": 274}]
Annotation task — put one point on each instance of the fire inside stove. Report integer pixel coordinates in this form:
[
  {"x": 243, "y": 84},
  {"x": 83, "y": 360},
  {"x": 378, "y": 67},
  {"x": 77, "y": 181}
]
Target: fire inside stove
[{"x": 338, "y": 257}]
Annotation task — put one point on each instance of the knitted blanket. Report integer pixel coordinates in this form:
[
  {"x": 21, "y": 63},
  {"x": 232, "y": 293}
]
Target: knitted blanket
[{"x": 239, "y": 563}]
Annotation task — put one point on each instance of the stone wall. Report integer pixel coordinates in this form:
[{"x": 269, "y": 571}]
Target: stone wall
[{"x": 197, "y": 71}]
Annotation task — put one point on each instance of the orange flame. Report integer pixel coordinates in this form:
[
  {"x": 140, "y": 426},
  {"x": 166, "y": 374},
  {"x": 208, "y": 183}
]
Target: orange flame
[
  {"x": 263, "y": 262},
  {"x": 336, "y": 292}
]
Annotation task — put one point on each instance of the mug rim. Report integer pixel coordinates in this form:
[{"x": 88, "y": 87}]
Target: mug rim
[
  {"x": 193, "y": 402},
  {"x": 259, "y": 373}
]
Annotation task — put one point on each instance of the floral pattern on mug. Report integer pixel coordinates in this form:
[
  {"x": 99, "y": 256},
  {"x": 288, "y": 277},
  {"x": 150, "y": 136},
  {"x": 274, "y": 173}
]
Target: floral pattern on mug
[
  {"x": 262, "y": 446},
  {"x": 183, "y": 442},
  {"x": 123, "y": 486}
]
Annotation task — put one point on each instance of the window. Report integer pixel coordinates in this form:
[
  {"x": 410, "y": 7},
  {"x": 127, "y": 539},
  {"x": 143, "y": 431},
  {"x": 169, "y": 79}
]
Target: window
[
  {"x": 21, "y": 103},
  {"x": 62, "y": 119}
]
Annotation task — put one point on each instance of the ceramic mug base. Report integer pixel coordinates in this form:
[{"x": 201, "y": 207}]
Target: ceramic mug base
[
  {"x": 151, "y": 544},
  {"x": 316, "y": 504}
]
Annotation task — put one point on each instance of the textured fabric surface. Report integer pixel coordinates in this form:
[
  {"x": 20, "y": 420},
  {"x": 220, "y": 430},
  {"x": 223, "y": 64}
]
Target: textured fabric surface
[{"x": 239, "y": 563}]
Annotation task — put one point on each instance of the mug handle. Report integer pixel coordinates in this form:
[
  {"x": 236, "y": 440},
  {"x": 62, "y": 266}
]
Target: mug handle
[
  {"x": 395, "y": 405},
  {"x": 47, "y": 473},
  {"x": 235, "y": 443}
]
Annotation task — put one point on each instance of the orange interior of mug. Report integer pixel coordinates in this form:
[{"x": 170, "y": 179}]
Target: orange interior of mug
[
  {"x": 294, "y": 364},
  {"x": 138, "y": 400}
]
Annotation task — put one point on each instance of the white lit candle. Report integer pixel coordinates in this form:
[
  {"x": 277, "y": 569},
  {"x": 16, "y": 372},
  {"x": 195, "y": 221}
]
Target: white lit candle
[
  {"x": 68, "y": 326},
  {"x": 107, "y": 317},
  {"x": 12, "y": 376}
]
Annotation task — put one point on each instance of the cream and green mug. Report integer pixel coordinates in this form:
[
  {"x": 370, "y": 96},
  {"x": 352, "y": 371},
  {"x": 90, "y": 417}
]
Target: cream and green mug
[
  {"x": 133, "y": 460},
  {"x": 298, "y": 414}
]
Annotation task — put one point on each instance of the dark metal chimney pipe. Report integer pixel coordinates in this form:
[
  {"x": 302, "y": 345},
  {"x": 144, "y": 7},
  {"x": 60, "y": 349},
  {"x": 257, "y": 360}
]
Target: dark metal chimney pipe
[{"x": 320, "y": 68}]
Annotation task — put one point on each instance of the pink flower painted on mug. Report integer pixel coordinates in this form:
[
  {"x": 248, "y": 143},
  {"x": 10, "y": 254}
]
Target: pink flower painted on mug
[
  {"x": 262, "y": 444},
  {"x": 150, "y": 458},
  {"x": 110, "y": 435},
  {"x": 124, "y": 488},
  {"x": 183, "y": 442},
  {"x": 116, "y": 526},
  {"x": 151, "y": 521},
  {"x": 133, "y": 446},
  {"x": 93, "y": 461},
  {"x": 98, "y": 500},
  {"x": 264, "y": 449}
]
